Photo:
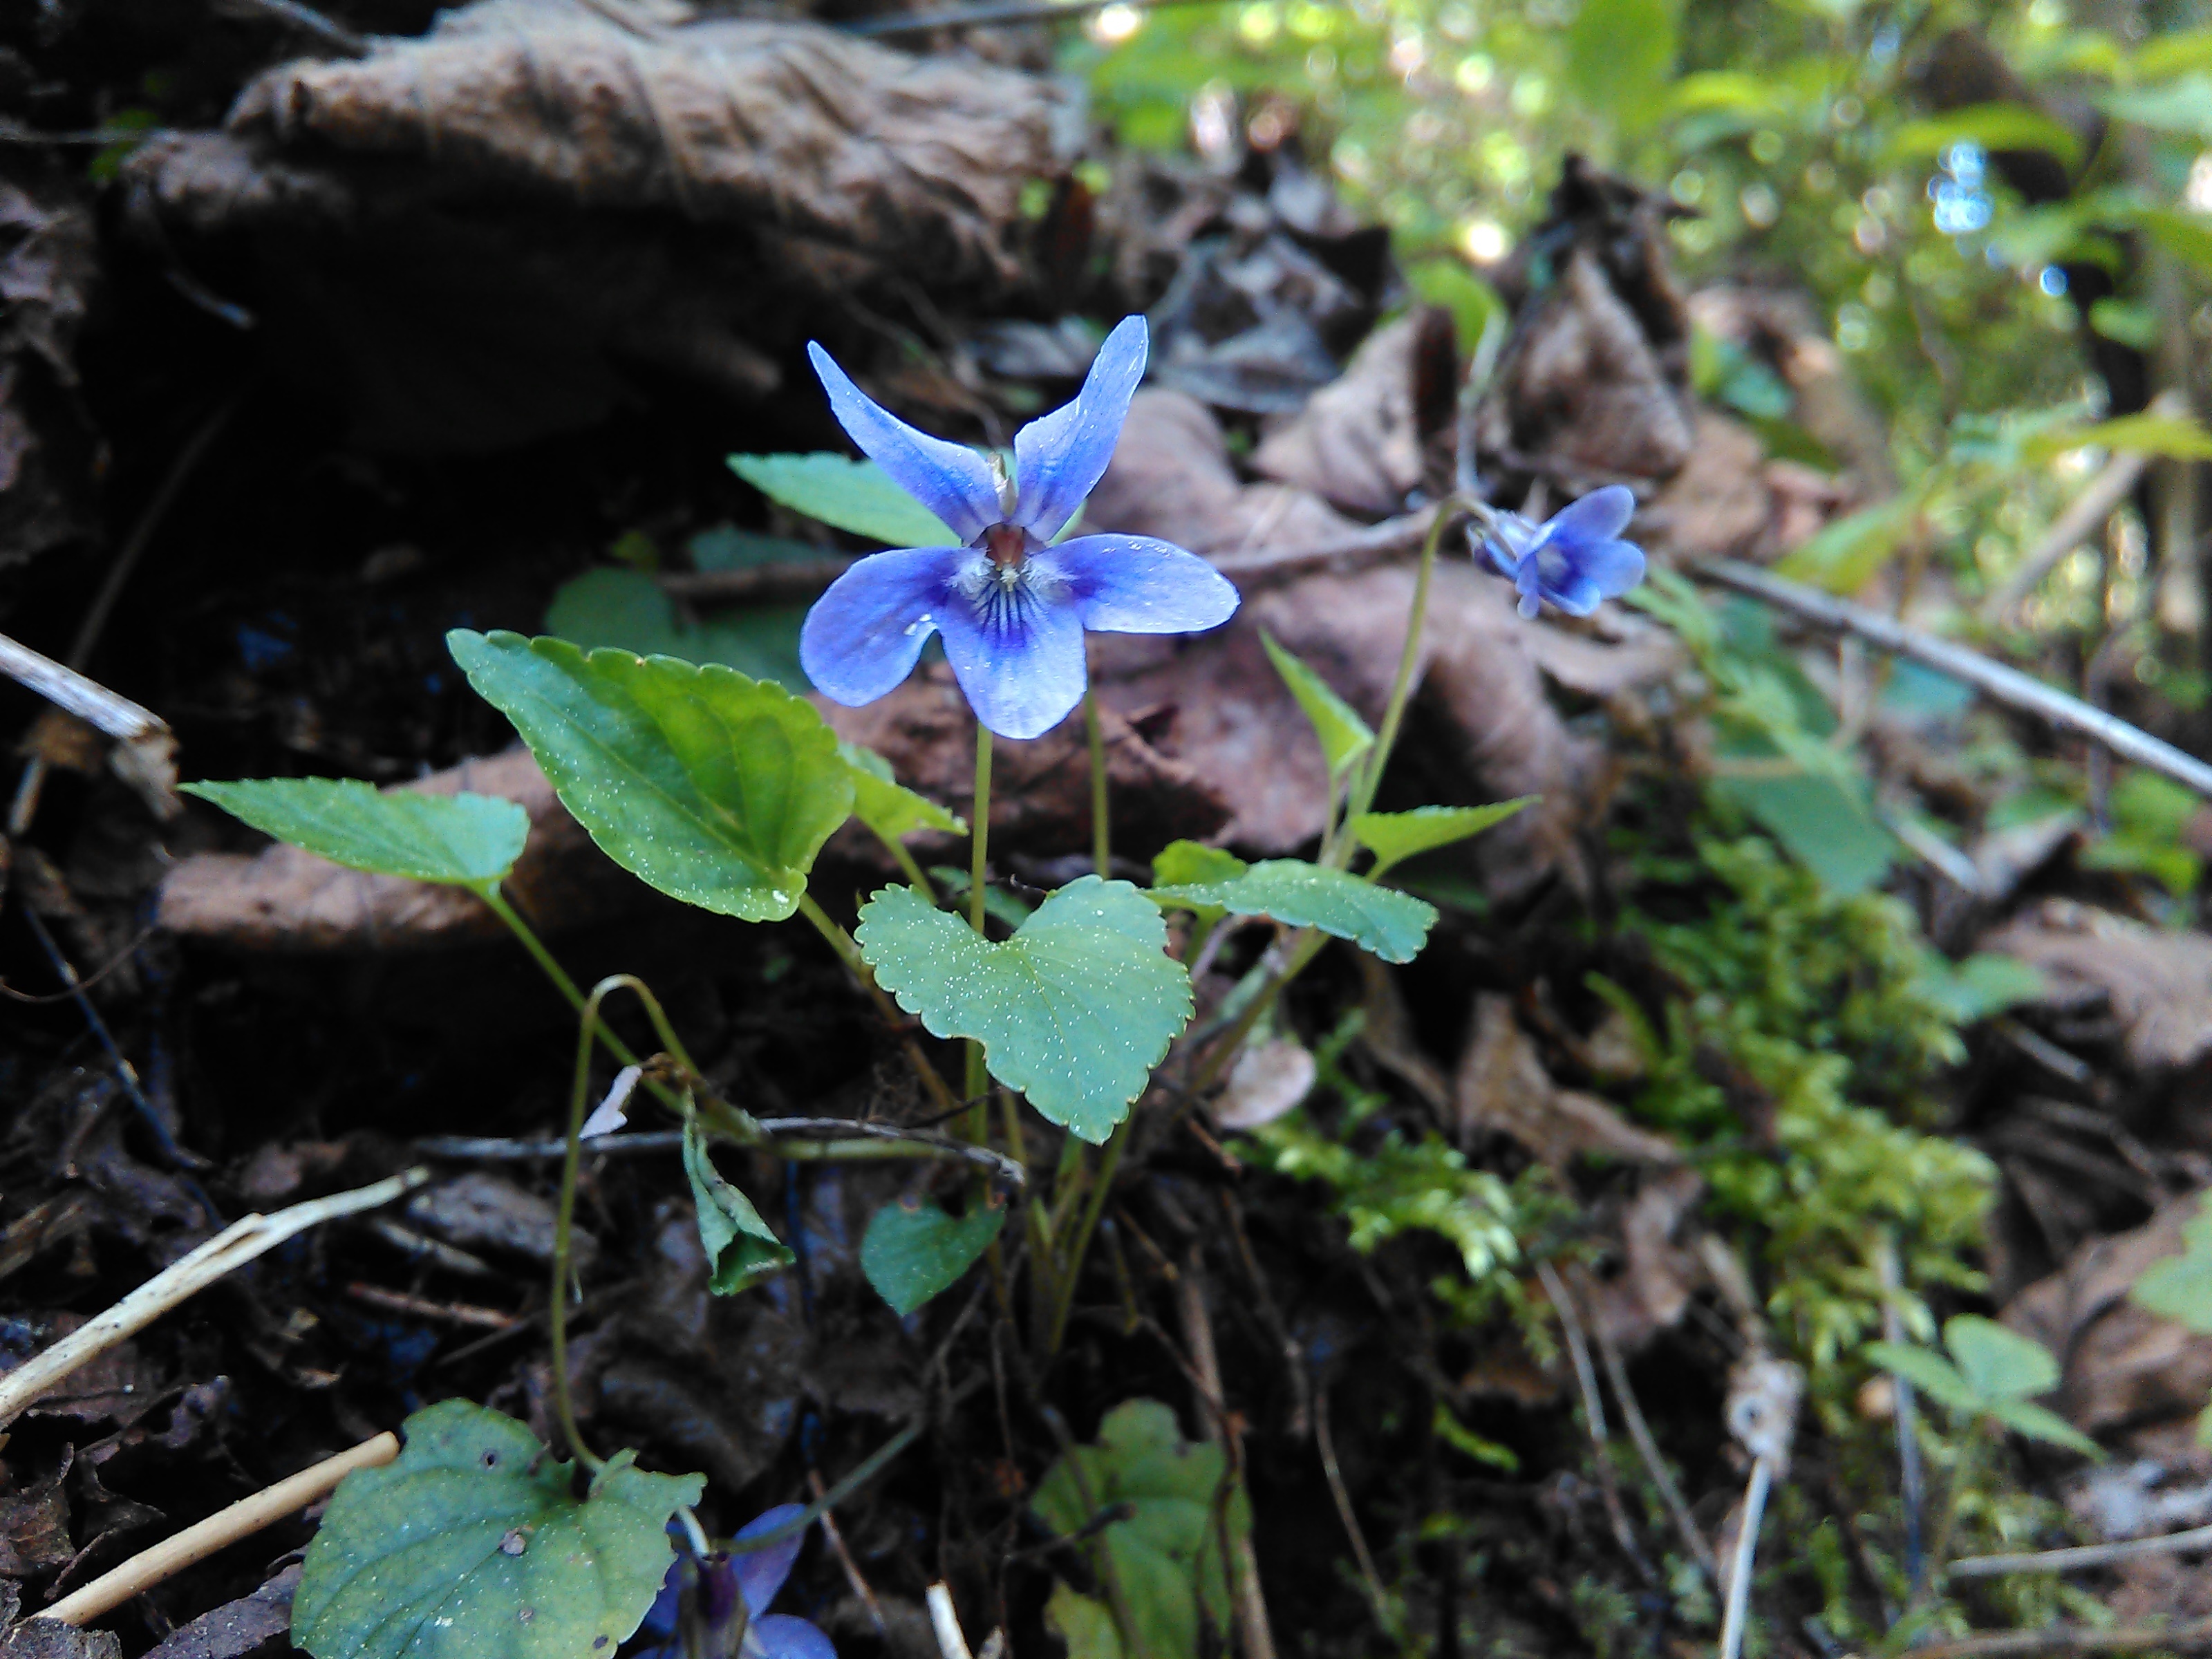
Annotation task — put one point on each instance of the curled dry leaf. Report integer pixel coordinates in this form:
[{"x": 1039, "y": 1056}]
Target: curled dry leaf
[
  {"x": 2123, "y": 1364},
  {"x": 1594, "y": 381},
  {"x": 1502, "y": 1087},
  {"x": 1269, "y": 1079},
  {"x": 249, "y": 1625},
  {"x": 790, "y": 125},
  {"x": 2157, "y": 984},
  {"x": 1357, "y": 442},
  {"x": 48, "y": 266},
  {"x": 480, "y": 236}
]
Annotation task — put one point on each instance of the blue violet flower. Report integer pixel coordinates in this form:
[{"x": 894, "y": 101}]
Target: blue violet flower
[
  {"x": 1012, "y": 607},
  {"x": 1575, "y": 559},
  {"x": 719, "y": 1583}
]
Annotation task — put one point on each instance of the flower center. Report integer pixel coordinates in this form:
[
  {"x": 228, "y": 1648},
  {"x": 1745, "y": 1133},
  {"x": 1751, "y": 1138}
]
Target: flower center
[{"x": 1006, "y": 545}]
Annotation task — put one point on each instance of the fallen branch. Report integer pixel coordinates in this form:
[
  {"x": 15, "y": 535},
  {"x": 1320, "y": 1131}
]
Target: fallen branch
[
  {"x": 228, "y": 1250},
  {"x": 804, "y": 1139},
  {"x": 2082, "y": 1556},
  {"x": 1993, "y": 679},
  {"x": 225, "y": 1527},
  {"x": 2071, "y": 1638}
]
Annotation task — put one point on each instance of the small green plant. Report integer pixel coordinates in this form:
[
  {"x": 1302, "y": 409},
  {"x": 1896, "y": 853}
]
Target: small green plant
[{"x": 720, "y": 790}]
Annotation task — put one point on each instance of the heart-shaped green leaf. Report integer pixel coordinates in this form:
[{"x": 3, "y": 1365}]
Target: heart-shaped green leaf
[
  {"x": 1927, "y": 1371},
  {"x": 462, "y": 840},
  {"x": 715, "y": 788},
  {"x": 1168, "y": 1553},
  {"x": 913, "y": 1250},
  {"x": 1392, "y": 925},
  {"x": 471, "y": 1546},
  {"x": 1344, "y": 736},
  {"x": 888, "y": 806},
  {"x": 1999, "y": 1364},
  {"x": 1393, "y": 837},
  {"x": 1074, "y": 1011},
  {"x": 741, "y": 1251},
  {"x": 2037, "y": 1423},
  {"x": 855, "y": 495}
]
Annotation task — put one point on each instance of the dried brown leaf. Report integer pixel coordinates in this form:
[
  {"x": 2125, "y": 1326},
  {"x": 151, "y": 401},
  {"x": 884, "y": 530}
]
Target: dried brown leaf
[{"x": 2158, "y": 984}]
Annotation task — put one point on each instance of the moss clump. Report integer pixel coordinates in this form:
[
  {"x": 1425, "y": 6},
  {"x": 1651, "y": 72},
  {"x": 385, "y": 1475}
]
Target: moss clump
[{"x": 1797, "y": 1065}]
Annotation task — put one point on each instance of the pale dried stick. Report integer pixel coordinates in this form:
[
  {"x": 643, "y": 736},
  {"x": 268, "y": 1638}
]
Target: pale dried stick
[
  {"x": 1256, "y": 1635},
  {"x": 1570, "y": 1325},
  {"x": 944, "y": 1621},
  {"x": 228, "y": 1250},
  {"x": 2082, "y": 1556},
  {"x": 225, "y": 1527},
  {"x": 1992, "y": 678}
]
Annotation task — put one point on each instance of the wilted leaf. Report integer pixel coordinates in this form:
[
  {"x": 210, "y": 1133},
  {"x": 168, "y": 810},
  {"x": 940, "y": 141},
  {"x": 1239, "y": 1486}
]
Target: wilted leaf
[
  {"x": 741, "y": 1249},
  {"x": 855, "y": 495},
  {"x": 912, "y": 1252},
  {"x": 460, "y": 840},
  {"x": 471, "y": 1546},
  {"x": 715, "y": 788},
  {"x": 1074, "y": 1011}
]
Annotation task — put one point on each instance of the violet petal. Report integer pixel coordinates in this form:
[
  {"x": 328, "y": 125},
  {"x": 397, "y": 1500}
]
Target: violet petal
[
  {"x": 1059, "y": 458},
  {"x": 864, "y": 635},
  {"x": 950, "y": 479},
  {"x": 761, "y": 1573},
  {"x": 1136, "y": 585},
  {"x": 1018, "y": 653},
  {"x": 781, "y": 1635}
]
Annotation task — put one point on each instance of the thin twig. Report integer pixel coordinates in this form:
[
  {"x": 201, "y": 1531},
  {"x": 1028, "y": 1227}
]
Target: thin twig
[
  {"x": 1256, "y": 1635},
  {"x": 780, "y": 581},
  {"x": 944, "y": 1621},
  {"x": 805, "y": 1139},
  {"x": 1594, "y": 1417},
  {"x": 236, "y": 1245},
  {"x": 1692, "y": 1535},
  {"x": 290, "y": 13},
  {"x": 2082, "y": 1556},
  {"x": 834, "y": 1534},
  {"x": 2071, "y": 1638},
  {"x": 1993, "y": 679},
  {"x": 422, "y": 1307},
  {"x": 225, "y": 1527},
  {"x": 1325, "y": 1442}
]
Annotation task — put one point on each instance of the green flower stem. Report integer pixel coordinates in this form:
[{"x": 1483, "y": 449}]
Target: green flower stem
[
  {"x": 837, "y": 1494},
  {"x": 909, "y": 867},
  {"x": 1079, "y": 1244},
  {"x": 564, "y": 1408},
  {"x": 1102, "y": 824},
  {"x": 940, "y": 1092},
  {"x": 1965, "y": 1471},
  {"x": 978, "y": 1082},
  {"x": 1305, "y": 945},
  {"x": 1402, "y": 689}
]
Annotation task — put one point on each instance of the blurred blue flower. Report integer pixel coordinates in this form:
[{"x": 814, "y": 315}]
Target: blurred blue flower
[
  {"x": 719, "y": 1583},
  {"x": 1575, "y": 559},
  {"x": 1012, "y": 607}
]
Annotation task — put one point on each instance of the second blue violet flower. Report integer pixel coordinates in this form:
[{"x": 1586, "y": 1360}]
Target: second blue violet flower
[
  {"x": 1011, "y": 606},
  {"x": 1575, "y": 559}
]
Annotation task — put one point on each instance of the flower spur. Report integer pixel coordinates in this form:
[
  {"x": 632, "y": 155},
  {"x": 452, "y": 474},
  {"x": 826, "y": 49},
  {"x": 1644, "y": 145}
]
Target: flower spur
[
  {"x": 1011, "y": 606},
  {"x": 1575, "y": 559}
]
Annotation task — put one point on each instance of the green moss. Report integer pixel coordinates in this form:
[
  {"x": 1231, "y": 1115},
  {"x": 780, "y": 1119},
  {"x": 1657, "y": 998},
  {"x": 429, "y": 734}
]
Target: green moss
[{"x": 1812, "y": 1011}]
